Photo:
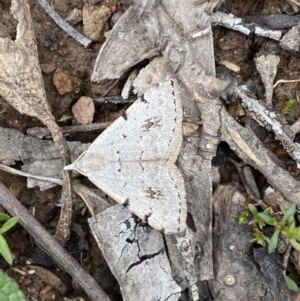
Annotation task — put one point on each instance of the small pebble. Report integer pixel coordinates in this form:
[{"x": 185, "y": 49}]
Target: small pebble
[
  {"x": 95, "y": 21},
  {"x": 62, "y": 82},
  {"x": 84, "y": 110}
]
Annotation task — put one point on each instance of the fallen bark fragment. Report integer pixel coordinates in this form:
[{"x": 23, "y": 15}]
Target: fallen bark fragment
[
  {"x": 291, "y": 40},
  {"x": 236, "y": 273},
  {"x": 129, "y": 25},
  {"x": 266, "y": 65},
  {"x": 39, "y": 157},
  {"x": 136, "y": 256},
  {"x": 277, "y": 21},
  {"x": 47, "y": 243}
]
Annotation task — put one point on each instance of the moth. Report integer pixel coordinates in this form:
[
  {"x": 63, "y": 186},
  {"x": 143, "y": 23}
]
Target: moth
[{"x": 133, "y": 160}]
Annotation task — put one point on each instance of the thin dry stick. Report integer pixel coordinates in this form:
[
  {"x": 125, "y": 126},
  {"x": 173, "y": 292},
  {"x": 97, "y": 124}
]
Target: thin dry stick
[
  {"x": 50, "y": 245},
  {"x": 64, "y": 25},
  {"x": 41, "y": 132},
  {"x": 248, "y": 186},
  {"x": 281, "y": 81},
  {"x": 24, "y": 174},
  {"x": 114, "y": 99}
]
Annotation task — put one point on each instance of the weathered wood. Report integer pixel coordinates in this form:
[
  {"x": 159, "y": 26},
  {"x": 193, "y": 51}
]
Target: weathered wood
[
  {"x": 236, "y": 274},
  {"x": 39, "y": 157},
  {"x": 135, "y": 254}
]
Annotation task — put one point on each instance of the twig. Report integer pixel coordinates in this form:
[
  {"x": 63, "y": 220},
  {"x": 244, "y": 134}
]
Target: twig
[
  {"x": 197, "y": 2},
  {"x": 286, "y": 257},
  {"x": 280, "y": 81},
  {"x": 251, "y": 188},
  {"x": 50, "y": 245},
  {"x": 41, "y": 132},
  {"x": 111, "y": 87},
  {"x": 232, "y": 22},
  {"x": 24, "y": 174},
  {"x": 64, "y": 25},
  {"x": 114, "y": 99},
  {"x": 268, "y": 119},
  {"x": 295, "y": 127}
]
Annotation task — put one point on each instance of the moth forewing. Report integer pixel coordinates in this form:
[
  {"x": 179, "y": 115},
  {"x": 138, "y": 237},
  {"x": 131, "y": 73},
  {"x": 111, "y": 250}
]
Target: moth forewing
[{"x": 132, "y": 161}]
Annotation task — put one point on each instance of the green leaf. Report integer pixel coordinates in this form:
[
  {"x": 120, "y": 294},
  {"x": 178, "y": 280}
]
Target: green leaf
[
  {"x": 241, "y": 218},
  {"x": 259, "y": 238},
  {"x": 296, "y": 233},
  {"x": 4, "y": 250},
  {"x": 295, "y": 244},
  {"x": 289, "y": 213},
  {"x": 4, "y": 217},
  {"x": 267, "y": 218},
  {"x": 9, "y": 224},
  {"x": 273, "y": 242},
  {"x": 291, "y": 284},
  {"x": 9, "y": 289},
  {"x": 253, "y": 209}
]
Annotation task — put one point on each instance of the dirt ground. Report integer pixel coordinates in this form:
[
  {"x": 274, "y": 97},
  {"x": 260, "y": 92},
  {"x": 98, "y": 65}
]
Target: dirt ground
[{"x": 57, "y": 49}]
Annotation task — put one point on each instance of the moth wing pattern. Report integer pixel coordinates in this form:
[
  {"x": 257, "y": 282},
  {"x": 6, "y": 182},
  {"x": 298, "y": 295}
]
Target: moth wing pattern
[{"x": 143, "y": 145}]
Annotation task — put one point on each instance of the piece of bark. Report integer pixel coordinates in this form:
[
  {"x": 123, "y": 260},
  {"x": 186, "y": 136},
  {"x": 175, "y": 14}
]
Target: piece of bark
[
  {"x": 266, "y": 65},
  {"x": 115, "y": 64},
  {"x": 136, "y": 255},
  {"x": 50, "y": 245},
  {"x": 277, "y": 21},
  {"x": 236, "y": 273},
  {"x": 291, "y": 40},
  {"x": 22, "y": 86},
  {"x": 39, "y": 157}
]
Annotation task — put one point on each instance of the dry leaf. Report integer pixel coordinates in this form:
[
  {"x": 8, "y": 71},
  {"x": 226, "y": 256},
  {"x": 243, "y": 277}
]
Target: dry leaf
[{"x": 22, "y": 86}]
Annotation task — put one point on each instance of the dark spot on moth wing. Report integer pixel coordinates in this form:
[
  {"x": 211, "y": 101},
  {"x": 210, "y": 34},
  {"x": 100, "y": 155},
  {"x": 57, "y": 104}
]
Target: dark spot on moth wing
[
  {"x": 153, "y": 194},
  {"x": 151, "y": 122},
  {"x": 190, "y": 222},
  {"x": 126, "y": 203},
  {"x": 127, "y": 223},
  {"x": 125, "y": 116},
  {"x": 124, "y": 136}
]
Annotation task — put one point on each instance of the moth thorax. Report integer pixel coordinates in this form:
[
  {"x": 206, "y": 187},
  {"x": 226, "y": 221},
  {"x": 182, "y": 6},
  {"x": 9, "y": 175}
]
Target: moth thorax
[{"x": 90, "y": 162}]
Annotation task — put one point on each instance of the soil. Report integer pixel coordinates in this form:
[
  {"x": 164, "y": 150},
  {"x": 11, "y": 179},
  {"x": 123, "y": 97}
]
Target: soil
[{"x": 59, "y": 50}]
